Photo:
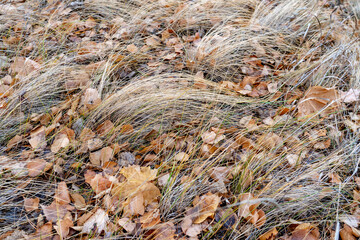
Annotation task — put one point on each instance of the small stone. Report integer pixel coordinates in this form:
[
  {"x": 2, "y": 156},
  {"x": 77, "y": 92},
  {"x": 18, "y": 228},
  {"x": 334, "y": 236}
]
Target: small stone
[{"x": 126, "y": 159}]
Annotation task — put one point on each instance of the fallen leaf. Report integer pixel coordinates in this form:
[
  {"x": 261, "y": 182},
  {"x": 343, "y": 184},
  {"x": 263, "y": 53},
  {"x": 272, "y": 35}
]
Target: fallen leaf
[
  {"x": 97, "y": 181},
  {"x": 31, "y": 204},
  {"x": 210, "y": 137},
  {"x": 24, "y": 66},
  {"x": 62, "y": 195},
  {"x": 165, "y": 231},
  {"x": 14, "y": 141},
  {"x": 127, "y": 224},
  {"x": 37, "y": 138},
  {"x": 132, "y": 48},
  {"x": 36, "y": 167},
  {"x": 91, "y": 98},
  {"x": 44, "y": 232},
  {"x": 181, "y": 157},
  {"x": 78, "y": 200},
  {"x": 54, "y": 211},
  {"x": 63, "y": 227},
  {"x": 98, "y": 222},
  {"x": 105, "y": 128},
  {"x": 269, "y": 235},
  {"x": 352, "y": 95},
  {"x": 208, "y": 204},
  {"x": 318, "y": 98},
  {"x": 61, "y": 141},
  {"x": 86, "y": 134}
]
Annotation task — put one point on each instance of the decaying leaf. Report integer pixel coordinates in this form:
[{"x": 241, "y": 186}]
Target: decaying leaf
[
  {"x": 97, "y": 181},
  {"x": 63, "y": 227},
  {"x": 248, "y": 210},
  {"x": 305, "y": 231},
  {"x": 127, "y": 224},
  {"x": 78, "y": 200},
  {"x": 98, "y": 222},
  {"x": 269, "y": 235},
  {"x": 31, "y": 204},
  {"x": 36, "y": 167},
  {"x": 62, "y": 195},
  {"x": 61, "y": 141},
  {"x": 318, "y": 99}
]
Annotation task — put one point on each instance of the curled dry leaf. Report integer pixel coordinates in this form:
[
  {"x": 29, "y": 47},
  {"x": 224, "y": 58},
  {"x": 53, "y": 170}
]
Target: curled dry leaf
[
  {"x": 318, "y": 98},
  {"x": 31, "y": 204}
]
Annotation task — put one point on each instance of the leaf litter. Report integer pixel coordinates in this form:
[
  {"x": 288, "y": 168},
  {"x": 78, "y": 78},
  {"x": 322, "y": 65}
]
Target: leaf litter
[{"x": 179, "y": 120}]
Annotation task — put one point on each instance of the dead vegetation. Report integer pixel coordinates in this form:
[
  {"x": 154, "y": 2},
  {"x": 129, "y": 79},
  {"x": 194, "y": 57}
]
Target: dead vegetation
[{"x": 179, "y": 119}]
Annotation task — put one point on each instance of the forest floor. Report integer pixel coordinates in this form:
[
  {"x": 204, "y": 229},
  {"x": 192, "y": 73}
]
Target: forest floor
[{"x": 179, "y": 119}]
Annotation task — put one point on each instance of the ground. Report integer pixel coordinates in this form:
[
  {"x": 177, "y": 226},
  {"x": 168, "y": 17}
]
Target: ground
[{"x": 179, "y": 119}]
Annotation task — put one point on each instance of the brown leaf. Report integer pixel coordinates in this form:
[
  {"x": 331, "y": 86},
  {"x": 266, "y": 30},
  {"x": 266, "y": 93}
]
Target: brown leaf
[
  {"x": 98, "y": 222},
  {"x": 36, "y": 167},
  {"x": 31, "y": 204},
  {"x": 91, "y": 98},
  {"x": 269, "y": 140},
  {"x": 78, "y": 200},
  {"x": 220, "y": 174},
  {"x": 139, "y": 174},
  {"x": 105, "y": 128},
  {"x": 210, "y": 137},
  {"x": 317, "y": 98},
  {"x": 62, "y": 195},
  {"x": 269, "y": 235},
  {"x": 208, "y": 204},
  {"x": 132, "y": 48},
  {"x": 63, "y": 227},
  {"x": 54, "y": 211},
  {"x": 86, "y": 134},
  {"x": 165, "y": 231},
  {"x": 44, "y": 232},
  {"x": 14, "y": 141},
  {"x": 97, "y": 181},
  {"x": 305, "y": 231},
  {"x": 37, "y": 138},
  {"x": 24, "y": 66},
  {"x": 127, "y": 224},
  {"x": 150, "y": 219},
  {"x": 61, "y": 141}
]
